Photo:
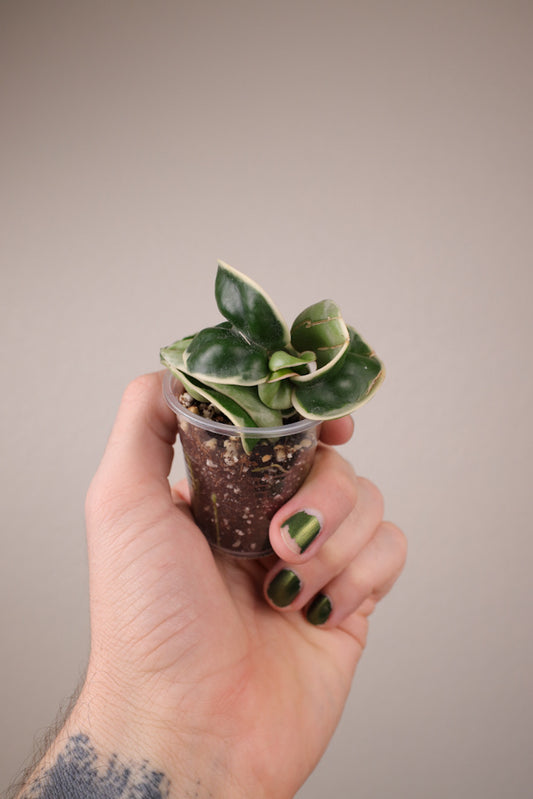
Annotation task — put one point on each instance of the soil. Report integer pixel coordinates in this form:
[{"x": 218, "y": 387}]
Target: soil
[{"x": 235, "y": 494}]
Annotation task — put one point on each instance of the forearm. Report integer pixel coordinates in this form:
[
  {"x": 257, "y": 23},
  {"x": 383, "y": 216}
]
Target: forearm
[{"x": 102, "y": 754}]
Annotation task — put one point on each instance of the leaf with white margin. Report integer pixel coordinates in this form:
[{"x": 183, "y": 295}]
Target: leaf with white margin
[
  {"x": 248, "y": 399},
  {"x": 172, "y": 358},
  {"x": 284, "y": 360},
  {"x": 235, "y": 413},
  {"x": 340, "y": 390},
  {"x": 322, "y": 329},
  {"x": 222, "y": 355},
  {"x": 249, "y": 308}
]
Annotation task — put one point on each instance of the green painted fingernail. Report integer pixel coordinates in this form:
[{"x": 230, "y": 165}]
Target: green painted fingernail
[
  {"x": 319, "y": 610},
  {"x": 302, "y": 528},
  {"x": 284, "y": 588}
]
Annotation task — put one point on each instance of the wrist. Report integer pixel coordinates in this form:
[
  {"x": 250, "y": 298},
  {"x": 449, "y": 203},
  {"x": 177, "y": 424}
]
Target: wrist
[{"x": 106, "y": 742}]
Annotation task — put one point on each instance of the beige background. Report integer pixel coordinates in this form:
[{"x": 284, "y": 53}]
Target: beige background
[{"x": 375, "y": 152}]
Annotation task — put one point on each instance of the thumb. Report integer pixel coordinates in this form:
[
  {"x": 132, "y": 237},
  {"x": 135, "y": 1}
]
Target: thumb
[
  {"x": 139, "y": 452},
  {"x": 129, "y": 502},
  {"x": 152, "y": 573}
]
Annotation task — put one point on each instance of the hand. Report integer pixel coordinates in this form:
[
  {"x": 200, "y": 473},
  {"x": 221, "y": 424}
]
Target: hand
[{"x": 208, "y": 666}]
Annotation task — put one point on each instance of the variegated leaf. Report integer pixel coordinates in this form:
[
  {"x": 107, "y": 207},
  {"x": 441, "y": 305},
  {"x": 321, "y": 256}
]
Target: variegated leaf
[
  {"x": 235, "y": 413},
  {"x": 249, "y": 308},
  {"x": 340, "y": 390},
  {"x": 322, "y": 329},
  {"x": 222, "y": 355},
  {"x": 248, "y": 399},
  {"x": 283, "y": 360},
  {"x": 172, "y": 356}
]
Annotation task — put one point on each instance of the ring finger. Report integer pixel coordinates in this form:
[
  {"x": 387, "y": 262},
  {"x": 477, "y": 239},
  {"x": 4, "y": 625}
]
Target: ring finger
[{"x": 366, "y": 580}]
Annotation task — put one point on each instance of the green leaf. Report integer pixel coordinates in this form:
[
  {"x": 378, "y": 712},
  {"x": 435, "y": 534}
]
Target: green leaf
[
  {"x": 248, "y": 399},
  {"x": 235, "y": 413},
  {"x": 222, "y": 355},
  {"x": 172, "y": 356},
  {"x": 283, "y": 360},
  {"x": 340, "y": 390},
  {"x": 276, "y": 394},
  {"x": 249, "y": 308},
  {"x": 322, "y": 329},
  {"x": 281, "y": 374}
]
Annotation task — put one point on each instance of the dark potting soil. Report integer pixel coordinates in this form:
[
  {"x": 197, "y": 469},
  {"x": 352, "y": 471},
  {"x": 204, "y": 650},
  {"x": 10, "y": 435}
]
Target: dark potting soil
[{"x": 235, "y": 494}]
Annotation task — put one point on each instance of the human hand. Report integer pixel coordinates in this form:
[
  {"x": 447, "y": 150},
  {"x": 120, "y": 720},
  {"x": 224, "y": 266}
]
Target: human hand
[{"x": 224, "y": 674}]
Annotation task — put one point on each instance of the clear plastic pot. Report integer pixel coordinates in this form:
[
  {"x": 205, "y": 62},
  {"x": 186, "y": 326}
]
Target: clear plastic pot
[{"x": 235, "y": 493}]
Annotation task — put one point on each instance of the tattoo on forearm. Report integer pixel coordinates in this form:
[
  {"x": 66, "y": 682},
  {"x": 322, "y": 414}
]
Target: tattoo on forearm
[{"x": 79, "y": 773}]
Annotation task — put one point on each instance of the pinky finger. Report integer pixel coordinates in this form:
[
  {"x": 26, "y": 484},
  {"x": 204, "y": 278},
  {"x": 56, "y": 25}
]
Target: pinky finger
[{"x": 364, "y": 582}]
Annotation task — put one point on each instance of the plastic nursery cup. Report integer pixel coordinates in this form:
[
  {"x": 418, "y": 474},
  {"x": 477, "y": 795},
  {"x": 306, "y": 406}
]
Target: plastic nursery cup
[{"x": 235, "y": 493}]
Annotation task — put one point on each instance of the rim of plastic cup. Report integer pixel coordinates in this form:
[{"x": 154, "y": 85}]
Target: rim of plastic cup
[{"x": 170, "y": 381}]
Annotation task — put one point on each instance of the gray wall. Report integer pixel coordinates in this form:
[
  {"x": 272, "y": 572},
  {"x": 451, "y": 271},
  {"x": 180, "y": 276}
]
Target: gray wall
[{"x": 375, "y": 152}]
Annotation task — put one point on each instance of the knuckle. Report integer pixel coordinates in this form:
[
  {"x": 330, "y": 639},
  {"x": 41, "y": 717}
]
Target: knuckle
[
  {"x": 398, "y": 540},
  {"x": 347, "y": 484},
  {"x": 373, "y": 495},
  {"x": 338, "y": 474},
  {"x": 362, "y": 586}
]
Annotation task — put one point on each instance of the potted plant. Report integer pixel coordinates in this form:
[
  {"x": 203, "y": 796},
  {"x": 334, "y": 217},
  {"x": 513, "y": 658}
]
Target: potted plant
[{"x": 250, "y": 394}]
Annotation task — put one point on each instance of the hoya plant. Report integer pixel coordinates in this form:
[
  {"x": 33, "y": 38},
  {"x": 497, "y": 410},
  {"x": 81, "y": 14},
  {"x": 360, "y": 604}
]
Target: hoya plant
[{"x": 258, "y": 372}]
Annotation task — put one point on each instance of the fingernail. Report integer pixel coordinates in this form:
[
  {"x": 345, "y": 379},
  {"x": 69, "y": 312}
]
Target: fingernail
[
  {"x": 284, "y": 588},
  {"x": 300, "y": 530},
  {"x": 319, "y": 610}
]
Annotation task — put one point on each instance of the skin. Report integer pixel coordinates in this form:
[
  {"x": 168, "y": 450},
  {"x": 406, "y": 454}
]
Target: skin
[{"x": 193, "y": 670}]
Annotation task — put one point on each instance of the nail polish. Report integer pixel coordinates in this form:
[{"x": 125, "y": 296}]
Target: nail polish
[
  {"x": 284, "y": 588},
  {"x": 300, "y": 530},
  {"x": 319, "y": 610}
]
